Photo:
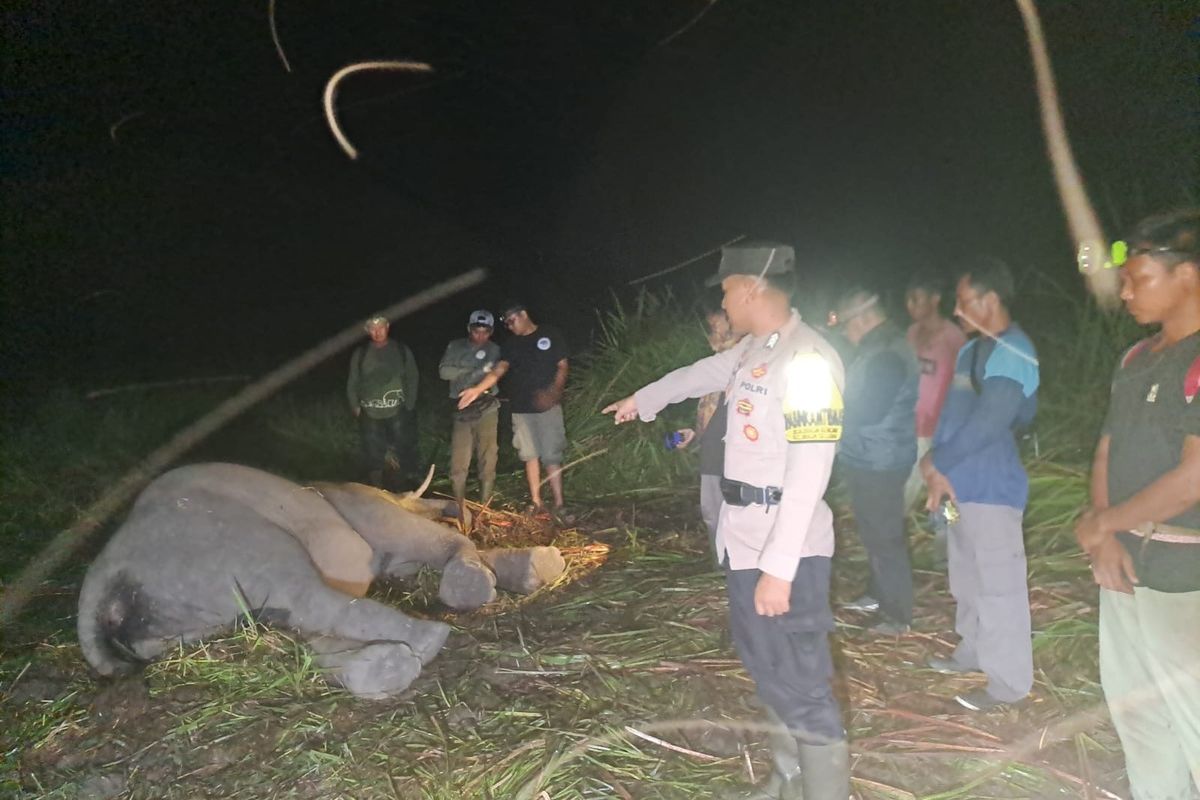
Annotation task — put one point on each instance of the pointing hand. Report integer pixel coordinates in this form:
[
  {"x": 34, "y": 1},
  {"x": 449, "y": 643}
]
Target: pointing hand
[{"x": 623, "y": 410}]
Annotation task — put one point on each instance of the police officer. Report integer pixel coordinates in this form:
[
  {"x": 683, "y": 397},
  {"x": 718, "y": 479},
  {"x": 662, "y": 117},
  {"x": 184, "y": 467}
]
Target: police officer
[{"x": 783, "y": 385}]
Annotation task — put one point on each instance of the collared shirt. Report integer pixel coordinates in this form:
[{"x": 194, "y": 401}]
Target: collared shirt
[
  {"x": 464, "y": 364},
  {"x": 784, "y": 410}
]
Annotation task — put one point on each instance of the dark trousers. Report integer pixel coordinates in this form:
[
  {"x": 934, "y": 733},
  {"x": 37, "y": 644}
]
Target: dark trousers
[
  {"x": 408, "y": 449},
  {"x": 788, "y": 656},
  {"x": 381, "y": 435},
  {"x": 877, "y": 498}
]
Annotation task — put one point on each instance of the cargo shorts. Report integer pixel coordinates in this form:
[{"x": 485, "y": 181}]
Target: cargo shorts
[{"x": 540, "y": 436}]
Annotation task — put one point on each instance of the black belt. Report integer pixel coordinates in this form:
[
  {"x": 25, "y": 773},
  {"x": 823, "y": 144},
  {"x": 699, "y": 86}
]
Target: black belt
[{"x": 737, "y": 493}]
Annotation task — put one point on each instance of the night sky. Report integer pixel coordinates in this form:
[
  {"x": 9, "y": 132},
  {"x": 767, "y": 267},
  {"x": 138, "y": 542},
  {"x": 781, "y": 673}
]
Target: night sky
[{"x": 558, "y": 143}]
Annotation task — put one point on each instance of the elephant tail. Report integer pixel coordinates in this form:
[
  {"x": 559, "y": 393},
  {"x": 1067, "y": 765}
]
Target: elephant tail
[{"x": 110, "y": 611}]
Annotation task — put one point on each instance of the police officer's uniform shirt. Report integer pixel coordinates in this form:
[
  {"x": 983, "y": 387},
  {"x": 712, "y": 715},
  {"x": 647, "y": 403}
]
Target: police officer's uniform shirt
[{"x": 784, "y": 405}]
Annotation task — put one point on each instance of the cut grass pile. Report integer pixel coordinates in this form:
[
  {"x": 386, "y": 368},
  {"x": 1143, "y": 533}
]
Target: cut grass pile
[{"x": 617, "y": 681}]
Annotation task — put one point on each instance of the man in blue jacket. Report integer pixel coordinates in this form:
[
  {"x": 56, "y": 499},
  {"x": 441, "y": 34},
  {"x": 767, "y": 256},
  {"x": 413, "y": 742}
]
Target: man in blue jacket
[
  {"x": 974, "y": 463},
  {"x": 877, "y": 453}
]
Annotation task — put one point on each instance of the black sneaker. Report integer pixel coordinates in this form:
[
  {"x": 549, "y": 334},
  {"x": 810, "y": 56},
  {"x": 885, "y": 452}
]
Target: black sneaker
[
  {"x": 948, "y": 666},
  {"x": 980, "y": 700},
  {"x": 865, "y": 603}
]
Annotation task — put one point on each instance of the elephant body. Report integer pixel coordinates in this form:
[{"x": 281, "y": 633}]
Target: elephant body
[{"x": 207, "y": 543}]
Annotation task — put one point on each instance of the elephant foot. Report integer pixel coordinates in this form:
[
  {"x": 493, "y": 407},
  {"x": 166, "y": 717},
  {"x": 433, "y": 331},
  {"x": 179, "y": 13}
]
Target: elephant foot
[
  {"x": 524, "y": 570},
  {"x": 374, "y": 671},
  {"x": 427, "y": 639},
  {"x": 466, "y": 584}
]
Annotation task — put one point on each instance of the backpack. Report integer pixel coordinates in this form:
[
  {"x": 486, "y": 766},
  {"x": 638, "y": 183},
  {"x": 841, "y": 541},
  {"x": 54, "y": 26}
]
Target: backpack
[{"x": 1191, "y": 380}]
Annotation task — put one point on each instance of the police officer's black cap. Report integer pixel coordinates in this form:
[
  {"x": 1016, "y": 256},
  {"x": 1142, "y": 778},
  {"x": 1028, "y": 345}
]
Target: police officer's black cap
[{"x": 754, "y": 258}]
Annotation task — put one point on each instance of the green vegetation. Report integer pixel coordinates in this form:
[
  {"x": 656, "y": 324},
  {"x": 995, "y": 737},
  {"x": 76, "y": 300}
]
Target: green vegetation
[{"x": 619, "y": 681}]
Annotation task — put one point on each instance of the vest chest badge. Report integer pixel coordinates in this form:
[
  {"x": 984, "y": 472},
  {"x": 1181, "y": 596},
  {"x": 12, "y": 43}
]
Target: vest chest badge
[
  {"x": 758, "y": 371},
  {"x": 745, "y": 407},
  {"x": 1152, "y": 395}
]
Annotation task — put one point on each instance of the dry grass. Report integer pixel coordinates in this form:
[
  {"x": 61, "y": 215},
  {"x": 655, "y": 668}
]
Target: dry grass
[{"x": 618, "y": 681}]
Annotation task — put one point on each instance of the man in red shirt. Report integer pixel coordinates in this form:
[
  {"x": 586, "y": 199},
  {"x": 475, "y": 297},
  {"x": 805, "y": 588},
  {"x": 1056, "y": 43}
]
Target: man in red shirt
[{"x": 935, "y": 341}]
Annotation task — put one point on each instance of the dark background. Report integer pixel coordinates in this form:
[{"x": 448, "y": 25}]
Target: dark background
[{"x": 559, "y": 144}]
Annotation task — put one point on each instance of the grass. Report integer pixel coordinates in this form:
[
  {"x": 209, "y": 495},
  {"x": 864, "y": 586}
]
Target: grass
[{"x": 618, "y": 681}]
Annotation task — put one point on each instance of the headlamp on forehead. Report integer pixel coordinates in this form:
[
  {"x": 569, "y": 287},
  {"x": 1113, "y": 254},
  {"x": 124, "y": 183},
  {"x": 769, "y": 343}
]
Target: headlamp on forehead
[{"x": 1119, "y": 252}]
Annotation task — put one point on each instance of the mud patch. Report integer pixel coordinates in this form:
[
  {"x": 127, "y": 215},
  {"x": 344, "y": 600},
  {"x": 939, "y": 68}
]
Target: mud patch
[
  {"x": 121, "y": 701},
  {"x": 103, "y": 786}
]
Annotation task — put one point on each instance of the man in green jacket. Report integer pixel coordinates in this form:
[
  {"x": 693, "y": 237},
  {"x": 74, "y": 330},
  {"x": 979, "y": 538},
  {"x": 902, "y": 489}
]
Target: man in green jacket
[{"x": 382, "y": 391}]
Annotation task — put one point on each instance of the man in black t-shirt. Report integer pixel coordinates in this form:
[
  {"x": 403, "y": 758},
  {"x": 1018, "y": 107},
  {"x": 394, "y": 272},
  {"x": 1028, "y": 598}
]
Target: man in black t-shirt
[
  {"x": 533, "y": 363},
  {"x": 1142, "y": 531}
]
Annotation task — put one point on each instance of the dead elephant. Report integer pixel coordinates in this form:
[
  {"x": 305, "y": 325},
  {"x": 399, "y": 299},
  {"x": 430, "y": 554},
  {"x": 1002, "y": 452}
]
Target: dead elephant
[{"x": 204, "y": 543}]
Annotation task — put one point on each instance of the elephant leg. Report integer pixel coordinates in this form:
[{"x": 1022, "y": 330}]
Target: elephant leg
[
  {"x": 524, "y": 570},
  {"x": 467, "y": 583},
  {"x": 398, "y": 537},
  {"x": 317, "y": 610},
  {"x": 373, "y": 670}
]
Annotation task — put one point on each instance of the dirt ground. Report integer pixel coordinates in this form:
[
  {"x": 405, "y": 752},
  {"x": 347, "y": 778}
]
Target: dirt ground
[{"x": 618, "y": 681}]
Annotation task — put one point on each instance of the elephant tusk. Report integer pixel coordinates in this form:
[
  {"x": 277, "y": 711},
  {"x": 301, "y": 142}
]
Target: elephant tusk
[{"x": 416, "y": 495}]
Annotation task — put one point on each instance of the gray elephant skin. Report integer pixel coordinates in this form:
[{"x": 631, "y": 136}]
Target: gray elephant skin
[{"x": 204, "y": 544}]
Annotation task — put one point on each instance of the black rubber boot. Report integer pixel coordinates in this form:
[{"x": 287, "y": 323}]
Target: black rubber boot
[
  {"x": 825, "y": 770},
  {"x": 784, "y": 782}
]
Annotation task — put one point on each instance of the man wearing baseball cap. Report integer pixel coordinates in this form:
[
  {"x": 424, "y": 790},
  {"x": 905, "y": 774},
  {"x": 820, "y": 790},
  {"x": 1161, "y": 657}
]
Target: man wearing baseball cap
[
  {"x": 465, "y": 363},
  {"x": 535, "y": 360}
]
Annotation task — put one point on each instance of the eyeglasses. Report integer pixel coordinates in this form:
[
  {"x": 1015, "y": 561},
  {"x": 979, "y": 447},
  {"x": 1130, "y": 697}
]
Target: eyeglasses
[
  {"x": 509, "y": 320},
  {"x": 1119, "y": 253}
]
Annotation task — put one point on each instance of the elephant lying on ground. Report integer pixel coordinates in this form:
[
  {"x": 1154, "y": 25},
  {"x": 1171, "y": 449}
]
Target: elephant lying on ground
[{"x": 205, "y": 543}]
